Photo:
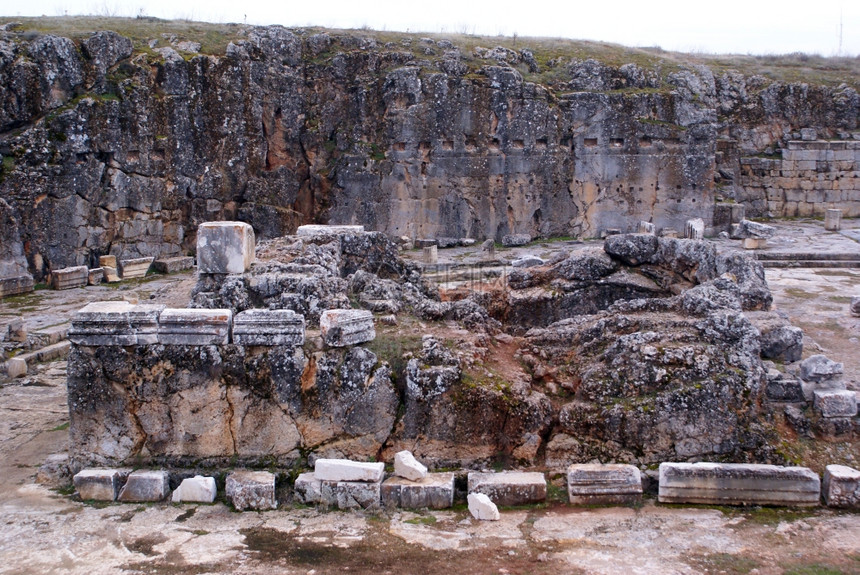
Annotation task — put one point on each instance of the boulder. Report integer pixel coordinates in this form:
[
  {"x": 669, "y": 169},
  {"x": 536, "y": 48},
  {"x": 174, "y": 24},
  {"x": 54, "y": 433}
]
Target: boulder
[
  {"x": 631, "y": 249},
  {"x": 819, "y": 369}
]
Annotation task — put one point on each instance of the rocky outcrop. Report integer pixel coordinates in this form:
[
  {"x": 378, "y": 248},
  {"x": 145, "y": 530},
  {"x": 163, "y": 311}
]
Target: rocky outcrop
[{"x": 108, "y": 150}]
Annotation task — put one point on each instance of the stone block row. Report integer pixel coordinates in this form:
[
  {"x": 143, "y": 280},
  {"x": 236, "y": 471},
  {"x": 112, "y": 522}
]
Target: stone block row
[{"x": 355, "y": 485}]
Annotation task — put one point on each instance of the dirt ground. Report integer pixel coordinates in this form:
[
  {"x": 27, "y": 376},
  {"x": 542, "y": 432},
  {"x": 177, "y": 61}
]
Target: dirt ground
[{"x": 49, "y": 531}]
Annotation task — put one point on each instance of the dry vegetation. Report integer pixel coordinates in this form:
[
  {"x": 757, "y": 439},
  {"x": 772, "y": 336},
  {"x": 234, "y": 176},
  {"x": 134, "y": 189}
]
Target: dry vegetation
[{"x": 550, "y": 53}]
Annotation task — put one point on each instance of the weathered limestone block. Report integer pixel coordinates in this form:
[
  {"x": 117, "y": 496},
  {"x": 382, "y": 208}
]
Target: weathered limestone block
[
  {"x": 318, "y": 230},
  {"x": 785, "y": 388},
  {"x": 100, "y": 484},
  {"x": 611, "y": 484},
  {"x": 95, "y": 276},
  {"x": 632, "y": 249},
  {"x": 111, "y": 275},
  {"x": 527, "y": 261},
  {"x": 351, "y": 494},
  {"x": 143, "y": 485},
  {"x": 668, "y": 233},
  {"x": 482, "y": 508},
  {"x": 832, "y": 220},
  {"x": 779, "y": 340},
  {"x": 514, "y": 240},
  {"x": 647, "y": 228},
  {"x": 406, "y": 466},
  {"x": 751, "y": 229},
  {"x": 194, "y": 326},
  {"x": 55, "y": 472},
  {"x": 15, "y": 367},
  {"x": 268, "y": 327},
  {"x": 841, "y": 487},
  {"x": 343, "y": 327},
  {"x": 103, "y": 323},
  {"x": 68, "y": 278},
  {"x": 818, "y": 368},
  {"x": 738, "y": 484},
  {"x": 16, "y": 331},
  {"x": 251, "y": 490},
  {"x": 144, "y": 319},
  {"x": 433, "y": 491},
  {"x": 108, "y": 261},
  {"x": 509, "y": 487},
  {"x": 695, "y": 229},
  {"x": 16, "y": 285},
  {"x": 430, "y": 254},
  {"x": 135, "y": 268},
  {"x": 308, "y": 489},
  {"x": 755, "y": 243},
  {"x": 346, "y": 470},
  {"x": 197, "y": 489},
  {"x": 225, "y": 247},
  {"x": 173, "y": 265},
  {"x": 835, "y": 403}
]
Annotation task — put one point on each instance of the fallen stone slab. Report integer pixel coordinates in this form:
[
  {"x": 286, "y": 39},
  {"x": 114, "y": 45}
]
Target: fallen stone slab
[
  {"x": 268, "y": 327},
  {"x": 320, "y": 230},
  {"x": 135, "y": 268},
  {"x": 835, "y": 403},
  {"x": 346, "y": 470},
  {"x": 47, "y": 353},
  {"x": 344, "y": 327},
  {"x": 514, "y": 240},
  {"x": 509, "y": 487},
  {"x": 197, "y": 489},
  {"x": 184, "y": 326},
  {"x": 841, "y": 487},
  {"x": 103, "y": 323},
  {"x": 68, "y": 278},
  {"x": 434, "y": 491},
  {"x": 610, "y": 484},
  {"x": 100, "y": 484},
  {"x": 482, "y": 508},
  {"x": 818, "y": 368},
  {"x": 527, "y": 261},
  {"x": 251, "y": 490},
  {"x": 143, "y": 485},
  {"x": 225, "y": 247},
  {"x": 16, "y": 285},
  {"x": 173, "y": 265},
  {"x": 95, "y": 276},
  {"x": 747, "y": 229},
  {"x": 738, "y": 484},
  {"x": 406, "y": 466}
]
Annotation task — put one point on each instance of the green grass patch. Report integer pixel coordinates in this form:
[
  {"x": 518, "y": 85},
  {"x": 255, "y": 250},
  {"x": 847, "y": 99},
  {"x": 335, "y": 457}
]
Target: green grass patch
[
  {"x": 61, "y": 427},
  {"x": 423, "y": 520}
]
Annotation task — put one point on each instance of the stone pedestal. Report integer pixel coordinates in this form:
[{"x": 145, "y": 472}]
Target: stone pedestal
[
  {"x": 433, "y": 491},
  {"x": 832, "y": 220},
  {"x": 68, "y": 278},
  {"x": 251, "y": 490},
  {"x": 194, "y": 326},
  {"x": 100, "y": 484},
  {"x": 268, "y": 327},
  {"x": 15, "y": 367},
  {"x": 225, "y": 247},
  {"x": 145, "y": 485},
  {"x": 738, "y": 484},
  {"x": 647, "y": 228},
  {"x": 509, "y": 487},
  {"x": 135, "y": 268},
  {"x": 755, "y": 243},
  {"x": 595, "y": 484},
  {"x": 343, "y": 327}
]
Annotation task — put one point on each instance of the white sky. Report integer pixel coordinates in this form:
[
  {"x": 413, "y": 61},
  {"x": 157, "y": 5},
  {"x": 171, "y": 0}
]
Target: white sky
[{"x": 717, "y": 26}]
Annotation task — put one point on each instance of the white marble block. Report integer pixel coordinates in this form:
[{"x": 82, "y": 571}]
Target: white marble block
[
  {"x": 100, "y": 484},
  {"x": 143, "y": 485},
  {"x": 695, "y": 229},
  {"x": 510, "y": 487},
  {"x": 406, "y": 466},
  {"x": 842, "y": 487},
  {"x": 197, "y": 489},
  {"x": 482, "y": 508},
  {"x": 268, "y": 327},
  {"x": 610, "y": 484},
  {"x": 320, "y": 230},
  {"x": 194, "y": 326},
  {"x": 346, "y": 470},
  {"x": 344, "y": 327},
  {"x": 225, "y": 247},
  {"x": 251, "y": 490}
]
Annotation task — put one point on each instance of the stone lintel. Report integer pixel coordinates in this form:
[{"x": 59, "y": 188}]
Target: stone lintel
[
  {"x": 509, "y": 487},
  {"x": 738, "y": 484}
]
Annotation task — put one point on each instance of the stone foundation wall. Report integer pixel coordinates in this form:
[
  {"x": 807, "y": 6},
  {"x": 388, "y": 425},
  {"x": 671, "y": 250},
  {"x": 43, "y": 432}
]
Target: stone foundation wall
[{"x": 810, "y": 178}]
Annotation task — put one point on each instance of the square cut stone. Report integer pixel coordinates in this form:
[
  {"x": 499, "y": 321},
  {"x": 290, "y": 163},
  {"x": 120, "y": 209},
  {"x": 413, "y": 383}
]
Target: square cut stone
[
  {"x": 509, "y": 487},
  {"x": 350, "y": 494},
  {"x": 835, "y": 403},
  {"x": 346, "y": 470},
  {"x": 100, "y": 484},
  {"x": 197, "y": 489},
  {"x": 103, "y": 323},
  {"x": 143, "y": 319},
  {"x": 135, "y": 268},
  {"x": 317, "y": 230},
  {"x": 738, "y": 484},
  {"x": 111, "y": 275},
  {"x": 434, "y": 491},
  {"x": 15, "y": 367},
  {"x": 308, "y": 489},
  {"x": 344, "y": 327},
  {"x": 612, "y": 484},
  {"x": 269, "y": 327},
  {"x": 68, "y": 278},
  {"x": 251, "y": 490},
  {"x": 95, "y": 276},
  {"x": 144, "y": 485},
  {"x": 173, "y": 265},
  {"x": 225, "y": 247},
  {"x": 842, "y": 487},
  {"x": 194, "y": 326},
  {"x": 755, "y": 243},
  {"x": 16, "y": 285},
  {"x": 108, "y": 260}
]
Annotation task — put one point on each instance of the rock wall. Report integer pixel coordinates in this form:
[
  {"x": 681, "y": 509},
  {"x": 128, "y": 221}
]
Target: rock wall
[{"x": 111, "y": 149}]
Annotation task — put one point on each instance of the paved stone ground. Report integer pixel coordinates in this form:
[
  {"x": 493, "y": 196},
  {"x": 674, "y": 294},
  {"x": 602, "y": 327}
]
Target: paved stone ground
[{"x": 44, "y": 531}]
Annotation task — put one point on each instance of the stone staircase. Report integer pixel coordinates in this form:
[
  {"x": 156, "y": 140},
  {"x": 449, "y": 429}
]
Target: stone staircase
[{"x": 809, "y": 259}]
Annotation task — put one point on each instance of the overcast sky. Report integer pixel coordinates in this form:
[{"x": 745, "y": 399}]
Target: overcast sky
[{"x": 727, "y": 26}]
